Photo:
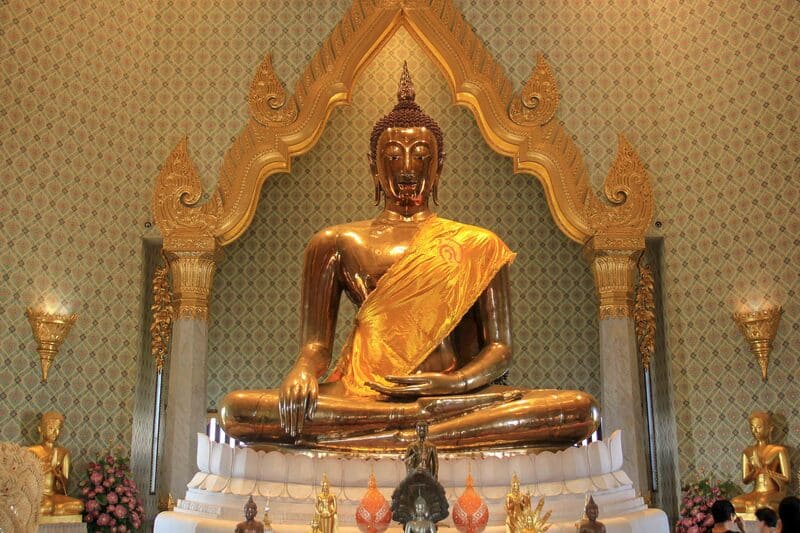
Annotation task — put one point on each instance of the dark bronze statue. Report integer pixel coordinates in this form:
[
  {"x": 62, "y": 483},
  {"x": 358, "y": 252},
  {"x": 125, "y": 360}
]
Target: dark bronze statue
[{"x": 421, "y": 454}]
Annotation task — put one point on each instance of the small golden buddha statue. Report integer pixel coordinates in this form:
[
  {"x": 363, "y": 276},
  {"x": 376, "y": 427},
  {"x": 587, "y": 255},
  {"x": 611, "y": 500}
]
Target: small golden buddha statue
[
  {"x": 55, "y": 463},
  {"x": 532, "y": 520},
  {"x": 590, "y": 524},
  {"x": 421, "y": 454},
  {"x": 765, "y": 465},
  {"x": 325, "y": 507},
  {"x": 432, "y": 333},
  {"x": 517, "y": 502},
  {"x": 421, "y": 522},
  {"x": 250, "y": 524}
]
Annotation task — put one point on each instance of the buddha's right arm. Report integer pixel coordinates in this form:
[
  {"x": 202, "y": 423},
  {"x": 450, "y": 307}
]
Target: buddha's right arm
[
  {"x": 297, "y": 396},
  {"x": 321, "y": 292}
]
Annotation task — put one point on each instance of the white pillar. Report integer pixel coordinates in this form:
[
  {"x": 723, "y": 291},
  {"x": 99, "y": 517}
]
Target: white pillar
[
  {"x": 621, "y": 395},
  {"x": 185, "y": 416},
  {"x": 613, "y": 265}
]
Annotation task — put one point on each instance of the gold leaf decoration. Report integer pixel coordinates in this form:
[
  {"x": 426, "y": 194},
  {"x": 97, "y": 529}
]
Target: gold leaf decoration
[
  {"x": 536, "y": 103},
  {"x": 176, "y": 200},
  {"x": 267, "y": 99},
  {"x": 627, "y": 189},
  {"x": 644, "y": 314},
  {"x": 163, "y": 315}
]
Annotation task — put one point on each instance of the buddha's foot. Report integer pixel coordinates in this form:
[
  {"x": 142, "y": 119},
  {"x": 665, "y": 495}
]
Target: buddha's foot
[{"x": 453, "y": 405}]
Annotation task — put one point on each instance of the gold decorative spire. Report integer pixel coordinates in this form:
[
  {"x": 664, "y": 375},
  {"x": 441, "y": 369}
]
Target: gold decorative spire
[{"x": 405, "y": 90}]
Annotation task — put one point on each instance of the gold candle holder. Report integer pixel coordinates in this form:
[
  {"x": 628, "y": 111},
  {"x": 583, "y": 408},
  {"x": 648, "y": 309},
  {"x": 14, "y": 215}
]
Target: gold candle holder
[
  {"x": 759, "y": 328},
  {"x": 49, "y": 330}
]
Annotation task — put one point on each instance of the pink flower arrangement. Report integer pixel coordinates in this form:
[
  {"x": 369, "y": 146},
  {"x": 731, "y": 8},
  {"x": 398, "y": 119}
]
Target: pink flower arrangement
[
  {"x": 696, "y": 502},
  {"x": 110, "y": 497}
]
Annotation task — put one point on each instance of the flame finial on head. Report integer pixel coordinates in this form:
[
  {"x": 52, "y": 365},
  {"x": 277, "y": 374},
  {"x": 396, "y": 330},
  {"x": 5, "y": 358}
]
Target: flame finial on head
[{"x": 405, "y": 90}]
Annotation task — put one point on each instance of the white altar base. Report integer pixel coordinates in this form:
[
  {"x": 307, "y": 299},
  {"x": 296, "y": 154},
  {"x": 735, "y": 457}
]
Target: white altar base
[{"x": 228, "y": 476}]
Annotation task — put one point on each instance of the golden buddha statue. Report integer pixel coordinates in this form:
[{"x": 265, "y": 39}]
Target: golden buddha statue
[
  {"x": 765, "y": 465},
  {"x": 517, "y": 502},
  {"x": 590, "y": 524},
  {"x": 55, "y": 463},
  {"x": 432, "y": 333},
  {"x": 250, "y": 524},
  {"x": 325, "y": 507}
]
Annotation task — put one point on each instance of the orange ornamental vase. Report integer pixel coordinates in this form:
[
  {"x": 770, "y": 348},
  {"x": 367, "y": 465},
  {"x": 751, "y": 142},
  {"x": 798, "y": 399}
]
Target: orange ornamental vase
[
  {"x": 470, "y": 514},
  {"x": 373, "y": 514}
]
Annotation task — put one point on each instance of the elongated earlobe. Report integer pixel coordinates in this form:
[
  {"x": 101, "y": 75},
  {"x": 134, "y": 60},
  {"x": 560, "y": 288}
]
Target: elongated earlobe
[
  {"x": 435, "y": 194},
  {"x": 378, "y": 191}
]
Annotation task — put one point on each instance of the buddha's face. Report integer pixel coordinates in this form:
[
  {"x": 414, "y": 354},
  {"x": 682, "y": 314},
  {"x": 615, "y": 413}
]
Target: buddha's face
[
  {"x": 406, "y": 165},
  {"x": 421, "y": 508},
  {"x": 250, "y": 512},
  {"x": 325, "y": 486},
  {"x": 760, "y": 428},
  {"x": 515, "y": 485},
  {"x": 50, "y": 429}
]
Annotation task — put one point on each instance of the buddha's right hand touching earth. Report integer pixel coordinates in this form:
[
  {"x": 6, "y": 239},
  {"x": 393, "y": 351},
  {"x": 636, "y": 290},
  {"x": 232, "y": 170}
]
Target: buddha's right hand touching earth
[{"x": 297, "y": 398}]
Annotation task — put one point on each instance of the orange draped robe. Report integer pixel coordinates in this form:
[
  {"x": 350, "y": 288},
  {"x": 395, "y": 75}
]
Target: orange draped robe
[{"x": 419, "y": 301}]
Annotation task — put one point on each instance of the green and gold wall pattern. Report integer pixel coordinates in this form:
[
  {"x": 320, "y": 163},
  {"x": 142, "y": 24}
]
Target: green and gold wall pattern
[{"x": 96, "y": 95}]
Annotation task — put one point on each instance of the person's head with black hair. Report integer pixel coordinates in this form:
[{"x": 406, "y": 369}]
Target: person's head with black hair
[
  {"x": 722, "y": 511},
  {"x": 789, "y": 514},
  {"x": 767, "y": 519}
]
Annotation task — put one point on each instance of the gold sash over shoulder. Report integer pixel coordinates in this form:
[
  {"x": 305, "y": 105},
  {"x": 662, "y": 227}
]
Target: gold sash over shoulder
[{"x": 419, "y": 301}]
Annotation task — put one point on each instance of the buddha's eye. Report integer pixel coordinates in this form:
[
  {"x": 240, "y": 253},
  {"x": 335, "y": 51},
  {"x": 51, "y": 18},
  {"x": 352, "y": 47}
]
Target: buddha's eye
[
  {"x": 420, "y": 152},
  {"x": 393, "y": 153}
]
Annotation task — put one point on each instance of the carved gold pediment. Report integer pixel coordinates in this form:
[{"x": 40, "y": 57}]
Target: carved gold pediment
[{"x": 519, "y": 124}]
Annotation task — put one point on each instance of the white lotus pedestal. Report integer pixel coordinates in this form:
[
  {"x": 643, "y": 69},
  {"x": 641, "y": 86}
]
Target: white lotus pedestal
[{"x": 228, "y": 476}]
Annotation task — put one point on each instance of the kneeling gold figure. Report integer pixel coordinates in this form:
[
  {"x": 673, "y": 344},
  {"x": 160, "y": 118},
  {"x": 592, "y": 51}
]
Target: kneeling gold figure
[{"x": 432, "y": 333}]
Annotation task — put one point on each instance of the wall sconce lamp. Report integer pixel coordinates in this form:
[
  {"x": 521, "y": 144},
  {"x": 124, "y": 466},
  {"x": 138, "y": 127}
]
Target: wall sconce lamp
[
  {"x": 49, "y": 331},
  {"x": 759, "y": 328}
]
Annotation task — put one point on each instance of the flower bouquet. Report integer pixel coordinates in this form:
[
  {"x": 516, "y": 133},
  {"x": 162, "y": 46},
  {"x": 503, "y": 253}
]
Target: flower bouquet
[
  {"x": 110, "y": 497},
  {"x": 696, "y": 502}
]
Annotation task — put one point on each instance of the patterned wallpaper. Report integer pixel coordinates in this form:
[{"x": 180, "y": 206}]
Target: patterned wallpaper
[
  {"x": 77, "y": 163},
  {"x": 96, "y": 94}
]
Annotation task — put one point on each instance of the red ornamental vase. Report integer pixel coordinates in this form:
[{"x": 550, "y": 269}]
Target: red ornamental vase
[
  {"x": 373, "y": 514},
  {"x": 470, "y": 514}
]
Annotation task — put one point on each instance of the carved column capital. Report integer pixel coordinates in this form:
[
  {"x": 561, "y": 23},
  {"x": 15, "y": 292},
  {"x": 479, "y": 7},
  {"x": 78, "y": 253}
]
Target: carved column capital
[
  {"x": 613, "y": 264},
  {"x": 192, "y": 278}
]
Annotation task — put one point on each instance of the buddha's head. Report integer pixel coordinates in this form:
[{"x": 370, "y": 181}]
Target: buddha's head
[
  {"x": 422, "y": 430},
  {"x": 250, "y": 509},
  {"x": 420, "y": 508},
  {"x": 591, "y": 510},
  {"x": 50, "y": 426},
  {"x": 406, "y": 153},
  {"x": 515, "y": 484},
  {"x": 326, "y": 486},
  {"x": 761, "y": 425}
]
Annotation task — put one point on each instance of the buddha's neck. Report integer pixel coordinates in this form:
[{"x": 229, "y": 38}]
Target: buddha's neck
[{"x": 398, "y": 213}]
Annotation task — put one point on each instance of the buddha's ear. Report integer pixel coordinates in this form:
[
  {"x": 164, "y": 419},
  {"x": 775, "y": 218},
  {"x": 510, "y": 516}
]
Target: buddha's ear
[{"x": 373, "y": 169}]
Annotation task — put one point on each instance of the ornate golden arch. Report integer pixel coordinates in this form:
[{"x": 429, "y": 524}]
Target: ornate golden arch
[{"x": 516, "y": 123}]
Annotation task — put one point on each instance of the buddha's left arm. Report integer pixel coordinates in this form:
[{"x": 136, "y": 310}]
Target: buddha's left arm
[
  {"x": 494, "y": 308},
  {"x": 786, "y": 470},
  {"x": 63, "y": 474}
]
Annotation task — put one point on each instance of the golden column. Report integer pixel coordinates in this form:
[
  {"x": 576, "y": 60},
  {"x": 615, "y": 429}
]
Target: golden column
[{"x": 613, "y": 263}]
